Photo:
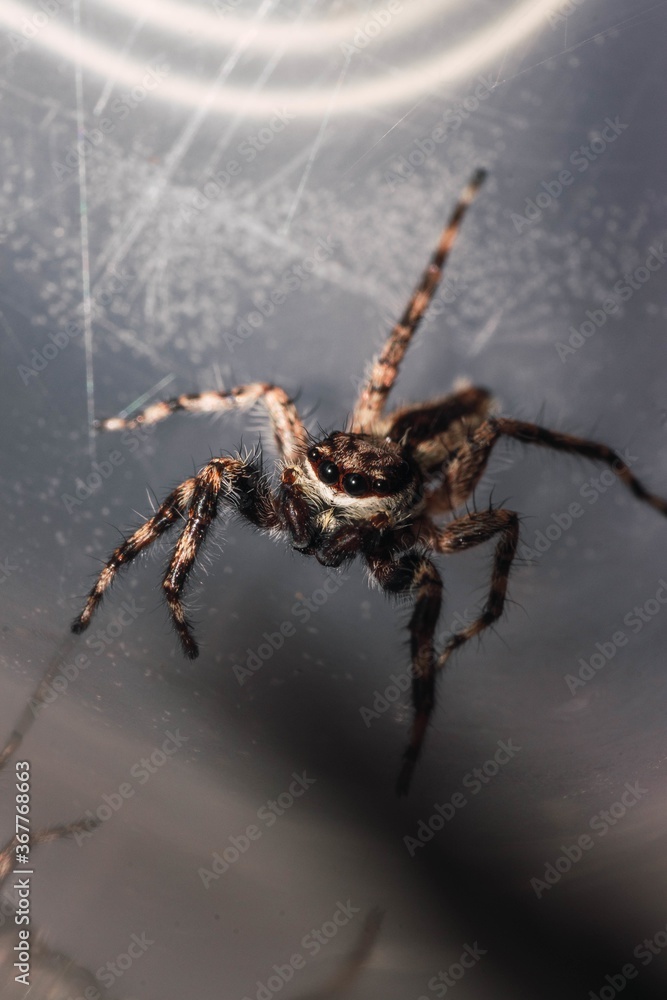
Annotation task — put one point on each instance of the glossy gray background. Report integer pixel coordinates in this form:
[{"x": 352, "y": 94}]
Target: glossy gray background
[{"x": 183, "y": 284}]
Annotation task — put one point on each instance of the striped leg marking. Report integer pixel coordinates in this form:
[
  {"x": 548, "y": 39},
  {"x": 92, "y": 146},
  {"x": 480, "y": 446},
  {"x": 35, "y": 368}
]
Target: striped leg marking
[
  {"x": 194, "y": 502},
  {"x": 167, "y": 514},
  {"x": 371, "y": 401},
  {"x": 290, "y": 434}
]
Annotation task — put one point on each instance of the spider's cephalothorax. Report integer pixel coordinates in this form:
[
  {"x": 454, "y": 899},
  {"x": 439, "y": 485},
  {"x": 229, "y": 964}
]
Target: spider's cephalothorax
[
  {"x": 375, "y": 490},
  {"x": 348, "y": 493}
]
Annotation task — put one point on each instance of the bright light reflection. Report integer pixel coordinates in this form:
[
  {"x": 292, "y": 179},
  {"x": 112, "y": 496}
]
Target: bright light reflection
[
  {"x": 269, "y": 36},
  {"x": 400, "y": 86}
]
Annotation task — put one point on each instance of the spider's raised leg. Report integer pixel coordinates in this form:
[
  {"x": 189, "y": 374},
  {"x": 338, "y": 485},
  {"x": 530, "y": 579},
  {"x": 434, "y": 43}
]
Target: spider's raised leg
[
  {"x": 290, "y": 434},
  {"x": 415, "y": 573},
  {"x": 465, "y": 533},
  {"x": 238, "y": 482},
  {"x": 371, "y": 400}
]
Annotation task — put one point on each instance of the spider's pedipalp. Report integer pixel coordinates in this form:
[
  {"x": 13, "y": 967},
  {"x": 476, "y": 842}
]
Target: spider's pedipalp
[
  {"x": 373, "y": 395},
  {"x": 289, "y": 432}
]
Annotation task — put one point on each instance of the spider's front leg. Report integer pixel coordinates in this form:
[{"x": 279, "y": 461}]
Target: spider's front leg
[
  {"x": 234, "y": 480},
  {"x": 414, "y": 573},
  {"x": 289, "y": 432},
  {"x": 370, "y": 403}
]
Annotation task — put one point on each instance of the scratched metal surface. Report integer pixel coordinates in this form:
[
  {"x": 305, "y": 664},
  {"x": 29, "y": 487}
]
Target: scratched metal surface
[{"x": 163, "y": 277}]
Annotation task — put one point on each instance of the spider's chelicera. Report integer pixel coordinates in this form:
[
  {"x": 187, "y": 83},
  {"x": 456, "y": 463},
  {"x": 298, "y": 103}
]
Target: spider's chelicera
[{"x": 376, "y": 490}]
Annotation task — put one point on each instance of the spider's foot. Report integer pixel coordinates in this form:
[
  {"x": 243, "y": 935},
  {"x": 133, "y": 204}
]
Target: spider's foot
[
  {"x": 113, "y": 424},
  {"x": 188, "y": 642},
  {"x": 406, "y": 772},
  {"x": 190, "y": 646},
  {"x": 80, "y": 623}
]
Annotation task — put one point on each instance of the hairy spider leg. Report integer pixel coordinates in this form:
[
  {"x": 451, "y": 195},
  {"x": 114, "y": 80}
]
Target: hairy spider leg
[
  {"x": 464, "y": 471},
  {"x": 242, "y": 484},
  {"x": 373, "y": 395},
  {"x": 422, "y": 422},
  {"x": 465, "y": 533},
  {"x": 290, "y": 434},
  {"x": 168, "y": 512},
  {"x": 415, "y": 573},
  {"x": 195, "y": 501},
  {"x": 534, "y": 434}
]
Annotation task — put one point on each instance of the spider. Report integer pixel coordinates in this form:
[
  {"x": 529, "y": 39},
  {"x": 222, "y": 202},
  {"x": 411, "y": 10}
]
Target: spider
[{"x": 374, "y": 490}]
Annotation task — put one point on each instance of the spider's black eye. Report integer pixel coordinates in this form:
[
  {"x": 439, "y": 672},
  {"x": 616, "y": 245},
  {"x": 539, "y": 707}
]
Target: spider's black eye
[
  {"x": 314, "y": 454},
  {"x": 328, "y": 473},
  {"x": 355, "y": 485},
  {"x": 403, "y": 472},
  {"x": 380, "y": 485}
]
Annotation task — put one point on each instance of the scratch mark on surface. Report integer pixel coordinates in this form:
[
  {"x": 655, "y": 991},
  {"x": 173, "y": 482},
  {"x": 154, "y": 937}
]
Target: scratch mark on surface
[
  {"x": 146, "y": 395},
  {"x": 143, "y": 212},
  {"x": 111, "y": 82},
  {"x": 86, "y": 303},
  {"x": 633, "y": 20},
  {"x": 384, "y": 135},
  {"x": 284, "y": 230}
]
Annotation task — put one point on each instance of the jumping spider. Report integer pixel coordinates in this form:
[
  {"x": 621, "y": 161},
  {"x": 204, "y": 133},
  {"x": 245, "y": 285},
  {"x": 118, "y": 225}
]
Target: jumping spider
[{"x": 373, "y": 490}]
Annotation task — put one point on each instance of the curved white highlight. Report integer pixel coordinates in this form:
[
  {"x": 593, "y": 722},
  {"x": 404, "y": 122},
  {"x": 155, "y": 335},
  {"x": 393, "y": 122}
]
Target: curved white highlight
[
  {"x": 170, "y": 15},
  {"x": 399, "y": 87}
]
